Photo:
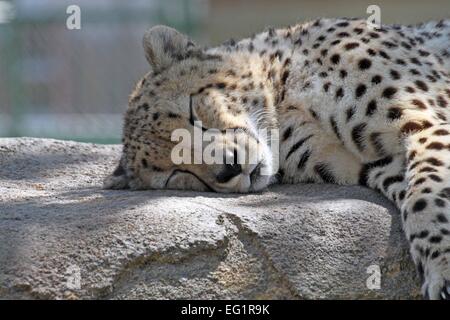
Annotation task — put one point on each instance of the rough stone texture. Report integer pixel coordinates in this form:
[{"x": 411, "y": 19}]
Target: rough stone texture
[{"x": 291, "y": 242}]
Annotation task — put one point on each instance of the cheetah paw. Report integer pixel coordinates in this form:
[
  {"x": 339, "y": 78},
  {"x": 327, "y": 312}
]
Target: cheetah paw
[{"x": 437, "y": 289}]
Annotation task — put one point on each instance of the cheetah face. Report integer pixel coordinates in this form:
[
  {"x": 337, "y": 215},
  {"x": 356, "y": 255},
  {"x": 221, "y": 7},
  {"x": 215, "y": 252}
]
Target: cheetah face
[{"x": 186, "y": 126}]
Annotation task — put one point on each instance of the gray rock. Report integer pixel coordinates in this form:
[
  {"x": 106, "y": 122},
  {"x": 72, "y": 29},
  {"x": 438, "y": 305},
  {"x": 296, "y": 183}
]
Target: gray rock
[{"x": 62, "y": 236}]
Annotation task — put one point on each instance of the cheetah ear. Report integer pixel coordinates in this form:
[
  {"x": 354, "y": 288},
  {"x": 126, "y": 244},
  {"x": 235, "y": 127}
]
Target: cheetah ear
[{"x": 164, "y": 45}]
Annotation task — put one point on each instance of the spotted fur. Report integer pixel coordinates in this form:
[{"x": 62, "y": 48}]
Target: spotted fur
[{"x": 353, "y": 105}]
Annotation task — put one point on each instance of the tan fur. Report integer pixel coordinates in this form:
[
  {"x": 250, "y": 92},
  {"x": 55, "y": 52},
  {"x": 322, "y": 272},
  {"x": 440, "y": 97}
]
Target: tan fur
[{"x": 352, "y": 105}]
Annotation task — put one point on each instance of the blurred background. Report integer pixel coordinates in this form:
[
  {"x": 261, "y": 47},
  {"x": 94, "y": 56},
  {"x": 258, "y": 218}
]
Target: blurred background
[{"x": 74, "y": 84}]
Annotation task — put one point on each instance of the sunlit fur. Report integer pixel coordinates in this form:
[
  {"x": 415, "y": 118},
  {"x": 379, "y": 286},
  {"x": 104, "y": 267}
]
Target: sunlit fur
[{"x": 352, "y": 105}]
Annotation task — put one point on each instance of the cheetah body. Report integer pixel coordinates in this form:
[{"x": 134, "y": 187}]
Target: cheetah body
[{"x": 353, "y": 105}]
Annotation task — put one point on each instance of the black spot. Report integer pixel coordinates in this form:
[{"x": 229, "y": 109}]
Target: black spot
[
  {"x": 343, "y": 34},
  {"x": 371, "y": 108},
  {"x": 144, "y": 106},
  {"x": 287, "y": 133},
  {"x": 445, "y": 193},
  {"x": 367, "y": 167},
  {"x": 395, "y": 75},
  {"x": 360, "y": 90},
  {"x": 441, "y": 102},
  {"x": 339, "y": 93},
  {"x": 421, "y": 85},
  {"x": 384, "y": 55},
  {"x": 351, "y": 45},
  {"x": 419, "y": 181},
  {"x": 389, "y": 44},
  {"x": 335, "y": 58},
  {"x": 427, "y": 190},
  {"x": 414, "y": 72},
  {"x": 144, "y": 163},
  {"x": 313, "y": 114},
  {"x": 157, "y": 169},
  {"x": 321, "y": 38},
  {"x": 221, "y": 85},
  {"x": 419, "y": 104},
  {"x": 349, "y": 113},
  {"x": 364, "y": 64},
  {"x": 297, "y": 145},
  {"x": 335, "y": 42},
  {"x": 155, "y": 116},
  {"x": 324, "y": 173},
  {"x": 421, "y": 235},
  {"x": 303, "y": 159},
  {"x": 419, "y": 205},
  {"x": 435, "y": 239},
  {"x": 343, "y": 74},
  {"x": 420, "y": 270},
  {"x": 371, "y": 52},
  {"x": 358, "y": 135},
  {"x": 435, "y": 254},
  {"x": 405, "y": 215},
  {"x": 439, "y": 202},
  {"x": 389, "y": 92},
  {"x": 437, "y": 163},
  {"x": 435, "y": 146},
  {"x": 376, "y": 79},
  {"x": 394, "y": 113},
  {"x": 415, "y": 61},
  {"x": 342, "y": 24},
  {"x": 173, "y": 115},
  {"x": 377, "y": 143},
  {"x": 410, "y": 127},
  {"x": 391, "y": 180},
  {"x": 405, "y": 45},
  {"x": 435, "y": 178},
  {"x": 441, "y": 132},
  {"x": 335, "y": 127}
]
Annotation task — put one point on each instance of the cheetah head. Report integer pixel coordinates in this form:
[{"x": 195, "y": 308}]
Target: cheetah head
[{"x": 226, "y": 98}]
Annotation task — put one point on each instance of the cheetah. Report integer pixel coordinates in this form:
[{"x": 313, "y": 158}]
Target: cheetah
[{"x": 353, "y": 104}]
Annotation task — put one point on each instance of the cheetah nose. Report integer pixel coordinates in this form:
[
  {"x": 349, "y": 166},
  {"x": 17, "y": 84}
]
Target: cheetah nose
[{"x": 229, "y": 172}]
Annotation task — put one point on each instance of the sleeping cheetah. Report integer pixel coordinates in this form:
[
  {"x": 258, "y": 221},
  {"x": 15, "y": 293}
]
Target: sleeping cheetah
[{"x": 353, "y": 105}]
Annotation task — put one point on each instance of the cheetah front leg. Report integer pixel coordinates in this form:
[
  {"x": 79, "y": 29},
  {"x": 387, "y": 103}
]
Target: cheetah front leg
[
  {"x": 419, "y": 184},
  {"x": 426, "y": 207}
]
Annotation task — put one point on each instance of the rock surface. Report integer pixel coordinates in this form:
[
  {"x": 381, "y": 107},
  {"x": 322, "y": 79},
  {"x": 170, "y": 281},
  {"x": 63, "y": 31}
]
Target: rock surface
[{"x": 62, "y": 236}]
